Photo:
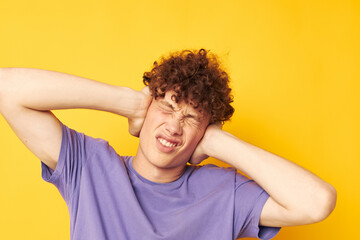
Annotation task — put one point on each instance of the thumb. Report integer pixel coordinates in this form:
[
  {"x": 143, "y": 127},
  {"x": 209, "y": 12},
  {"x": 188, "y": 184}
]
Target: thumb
[{"x": 146, "y": 90}]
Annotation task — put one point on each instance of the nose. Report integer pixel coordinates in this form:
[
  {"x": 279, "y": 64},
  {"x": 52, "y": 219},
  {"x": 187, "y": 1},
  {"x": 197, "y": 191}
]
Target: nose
[{"x": 174, "y": 126}]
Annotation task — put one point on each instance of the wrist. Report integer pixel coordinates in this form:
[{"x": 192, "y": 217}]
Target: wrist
[
  {"x": 220, "y": 146},
  {"x": 129, "y": 103},
  {"x": 212, "y": 140}
]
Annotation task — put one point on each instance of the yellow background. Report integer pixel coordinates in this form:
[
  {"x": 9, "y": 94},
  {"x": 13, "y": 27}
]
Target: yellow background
[{"x": 295, "y": 77}]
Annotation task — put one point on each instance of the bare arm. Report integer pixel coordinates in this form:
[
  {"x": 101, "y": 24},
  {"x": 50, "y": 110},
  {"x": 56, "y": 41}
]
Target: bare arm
[
  {"x": 28, "y": 95},
  {"x": 297, "y": 196}
]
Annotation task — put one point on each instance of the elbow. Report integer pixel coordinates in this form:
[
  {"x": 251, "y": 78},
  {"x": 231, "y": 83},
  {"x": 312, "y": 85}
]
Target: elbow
[{"x": 324, "y": 204}]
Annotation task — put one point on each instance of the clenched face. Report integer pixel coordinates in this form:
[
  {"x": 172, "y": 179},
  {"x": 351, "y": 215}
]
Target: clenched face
[{"x": 170, "y": 133}]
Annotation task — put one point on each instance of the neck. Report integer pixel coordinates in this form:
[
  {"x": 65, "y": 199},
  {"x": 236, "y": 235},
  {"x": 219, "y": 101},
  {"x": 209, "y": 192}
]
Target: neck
[{"x": 157, "y": 174}]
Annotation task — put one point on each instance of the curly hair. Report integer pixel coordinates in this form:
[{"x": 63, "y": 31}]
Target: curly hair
[{"x": 197, "y": 79}]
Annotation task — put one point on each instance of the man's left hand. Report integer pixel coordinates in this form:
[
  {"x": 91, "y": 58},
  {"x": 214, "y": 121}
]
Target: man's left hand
[{"x": 202, "y": 150}]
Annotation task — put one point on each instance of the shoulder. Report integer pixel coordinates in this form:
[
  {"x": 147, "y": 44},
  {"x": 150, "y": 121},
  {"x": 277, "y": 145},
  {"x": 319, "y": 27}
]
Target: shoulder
[
  {"x": 214, "y": 174},
  {"x": 89, "y": 147},
  {"x": 214, "y": 170},
  {"x": 211, "y": 174}
]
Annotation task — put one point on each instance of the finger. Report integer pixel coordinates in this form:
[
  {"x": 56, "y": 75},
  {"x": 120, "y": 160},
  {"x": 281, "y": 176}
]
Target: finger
[
  {"x": 193, "y": 161},
  {"x": 193, "y": 157},
  {"x": 220, "y": 124},
  {"x": 146, "y": 90}
]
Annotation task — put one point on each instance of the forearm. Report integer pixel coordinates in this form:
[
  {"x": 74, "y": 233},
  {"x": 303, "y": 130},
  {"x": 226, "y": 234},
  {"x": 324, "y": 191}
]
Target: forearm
[
  {"x": 47, "y": 90},
  {"x": 293, "y": 187}
]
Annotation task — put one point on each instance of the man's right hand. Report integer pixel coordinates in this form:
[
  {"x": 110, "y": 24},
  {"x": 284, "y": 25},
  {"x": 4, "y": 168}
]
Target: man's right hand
[{"x": 136, "y": 122}]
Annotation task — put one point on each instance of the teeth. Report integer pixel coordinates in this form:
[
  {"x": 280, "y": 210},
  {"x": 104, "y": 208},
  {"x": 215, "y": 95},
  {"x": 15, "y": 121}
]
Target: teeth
[{"x": 166, "y": 143}]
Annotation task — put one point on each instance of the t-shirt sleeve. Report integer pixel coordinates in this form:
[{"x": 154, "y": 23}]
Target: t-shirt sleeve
[
  {"x": 67, "y": 173},
  {"x": 250, "y": 199}
]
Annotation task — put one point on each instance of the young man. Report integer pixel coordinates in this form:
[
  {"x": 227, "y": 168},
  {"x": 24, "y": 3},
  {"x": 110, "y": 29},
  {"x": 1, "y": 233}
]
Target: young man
[{"x": 156, "y": 194}]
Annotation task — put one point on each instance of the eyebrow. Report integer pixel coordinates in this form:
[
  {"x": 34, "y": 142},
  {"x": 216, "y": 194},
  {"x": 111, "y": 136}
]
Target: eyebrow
[
  {"x": 190, "y": 115},
  {"x": 163, "y": 102}
]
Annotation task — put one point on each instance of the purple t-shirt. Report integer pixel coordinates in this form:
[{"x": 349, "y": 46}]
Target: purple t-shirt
[{"x": 108, "y": 200}]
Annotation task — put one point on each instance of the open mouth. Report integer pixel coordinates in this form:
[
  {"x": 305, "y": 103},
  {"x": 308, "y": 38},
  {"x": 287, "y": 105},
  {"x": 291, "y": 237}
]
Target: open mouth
[{"x": 166, "y": 143}]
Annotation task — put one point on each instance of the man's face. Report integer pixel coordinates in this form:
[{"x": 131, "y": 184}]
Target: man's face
[{"x": 170, "y": 132}]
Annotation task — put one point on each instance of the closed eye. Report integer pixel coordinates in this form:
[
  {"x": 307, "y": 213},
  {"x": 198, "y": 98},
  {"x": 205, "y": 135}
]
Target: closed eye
[
  {"x": 165, "y": 109},
  {"x": 165, "y": 106},
  {"x": 189, "y": 118},
  {"x": 192, "y": 120}
]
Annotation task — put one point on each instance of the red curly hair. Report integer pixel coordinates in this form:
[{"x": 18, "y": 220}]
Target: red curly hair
[{"x": 196, "y": 78}]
